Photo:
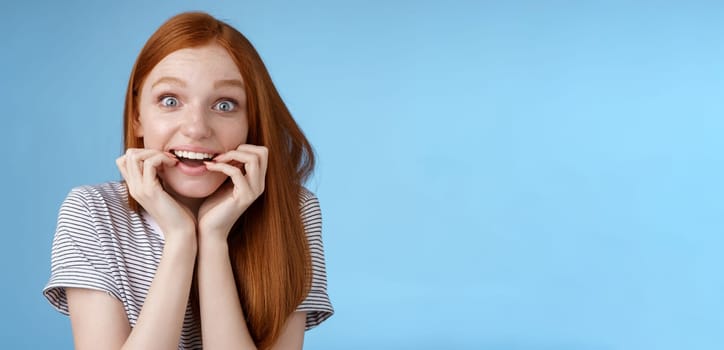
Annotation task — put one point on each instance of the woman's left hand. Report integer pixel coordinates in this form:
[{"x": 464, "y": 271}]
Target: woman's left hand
[{"x": 246, "y": 167}]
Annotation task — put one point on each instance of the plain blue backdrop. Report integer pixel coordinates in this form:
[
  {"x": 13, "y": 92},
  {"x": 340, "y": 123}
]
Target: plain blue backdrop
[{"x": 493, "y": 174}]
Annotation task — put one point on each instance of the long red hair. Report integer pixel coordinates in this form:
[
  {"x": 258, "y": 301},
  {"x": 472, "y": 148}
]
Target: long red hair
[{"x": 267, "y": 245}]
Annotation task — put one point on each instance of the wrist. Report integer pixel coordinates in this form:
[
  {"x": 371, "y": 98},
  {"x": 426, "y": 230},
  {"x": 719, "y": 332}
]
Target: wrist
[
  {"x": 213, "y": 242},
  {"x": 214, "y": 233},
  {"x": 181, "y": 243}
]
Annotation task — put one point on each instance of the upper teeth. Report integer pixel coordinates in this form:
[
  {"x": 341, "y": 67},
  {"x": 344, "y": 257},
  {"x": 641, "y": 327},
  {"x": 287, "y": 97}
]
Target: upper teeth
[{"x": 192, "y": 155}]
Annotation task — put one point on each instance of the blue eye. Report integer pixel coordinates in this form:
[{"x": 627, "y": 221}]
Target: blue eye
[
  {"x": 225, "y": 106},
  {"x": 169, "y": 101}
]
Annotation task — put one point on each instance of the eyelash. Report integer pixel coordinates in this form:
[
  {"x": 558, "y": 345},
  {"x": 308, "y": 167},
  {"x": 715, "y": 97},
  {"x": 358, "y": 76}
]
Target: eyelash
[
  {"x": 233, "y": 102},
  {"x": 164, "y": 97},
  {"x": 234, "y": 105}
]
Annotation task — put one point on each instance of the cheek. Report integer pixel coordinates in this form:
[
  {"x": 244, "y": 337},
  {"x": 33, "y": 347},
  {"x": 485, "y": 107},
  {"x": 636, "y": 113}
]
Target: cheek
[
  {"x": 152, "y": 127},
  {"x": 234, "y": 135},
  {"x": 137, "y": 129},
  {"x": 155, "y": 133}
]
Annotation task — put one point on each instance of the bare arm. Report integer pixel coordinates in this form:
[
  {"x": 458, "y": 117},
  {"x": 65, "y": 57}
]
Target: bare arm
[
  {"x": 293, "y": 333},
  {"x": 99, "y": 320},
  {"x": 222, "y": 321}
]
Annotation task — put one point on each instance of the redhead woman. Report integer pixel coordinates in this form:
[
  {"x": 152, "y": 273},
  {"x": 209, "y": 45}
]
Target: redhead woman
[{"x": 210, "y": 239}]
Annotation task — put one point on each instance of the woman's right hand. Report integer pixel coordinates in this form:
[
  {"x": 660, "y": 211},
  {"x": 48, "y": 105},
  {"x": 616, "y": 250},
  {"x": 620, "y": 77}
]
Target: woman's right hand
[{"x": 140, "y": 168}]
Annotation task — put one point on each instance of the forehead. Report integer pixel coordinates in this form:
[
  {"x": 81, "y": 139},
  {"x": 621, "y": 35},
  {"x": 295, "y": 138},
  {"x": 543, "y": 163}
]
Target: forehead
[{"x": 210, "y": 62}]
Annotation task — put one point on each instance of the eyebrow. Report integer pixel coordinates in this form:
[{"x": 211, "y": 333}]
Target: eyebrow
[
  {"x": 229, "y": 82},
  {"x": 169, "y": 80},
  {"x": 181, "y": 83}
]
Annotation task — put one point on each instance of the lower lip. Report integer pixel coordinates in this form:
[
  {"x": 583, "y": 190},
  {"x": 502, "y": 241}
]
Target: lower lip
[{"x": 191, "y": 170}]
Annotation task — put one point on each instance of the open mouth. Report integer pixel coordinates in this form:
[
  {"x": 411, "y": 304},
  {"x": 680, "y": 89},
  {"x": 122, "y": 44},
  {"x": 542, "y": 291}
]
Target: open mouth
[{"x": 193, "y": 158}]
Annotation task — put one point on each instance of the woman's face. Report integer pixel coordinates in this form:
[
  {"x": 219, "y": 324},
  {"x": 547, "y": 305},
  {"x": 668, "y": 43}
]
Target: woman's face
[{"x": 193, "y": 104}]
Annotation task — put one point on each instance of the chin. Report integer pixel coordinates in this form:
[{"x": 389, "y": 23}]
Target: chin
[{"x": 194, "y": 186}]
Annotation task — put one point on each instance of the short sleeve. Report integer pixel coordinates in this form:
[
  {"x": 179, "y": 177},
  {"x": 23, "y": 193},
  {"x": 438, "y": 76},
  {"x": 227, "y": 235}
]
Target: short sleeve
[
  {"x": 317, "y": 304},
  {"x": 77, "y": 258}
]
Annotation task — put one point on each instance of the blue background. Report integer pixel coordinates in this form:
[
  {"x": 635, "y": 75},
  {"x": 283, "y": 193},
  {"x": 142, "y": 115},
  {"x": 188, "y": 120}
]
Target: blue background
[{"x": 493, "y": 175}]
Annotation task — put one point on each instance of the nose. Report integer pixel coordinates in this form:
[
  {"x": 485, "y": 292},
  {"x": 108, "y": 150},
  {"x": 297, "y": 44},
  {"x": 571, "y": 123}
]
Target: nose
[{"x": 196, "y": 124}]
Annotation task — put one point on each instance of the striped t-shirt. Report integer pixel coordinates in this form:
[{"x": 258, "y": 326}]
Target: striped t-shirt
[{"x": 101, "y": 244}]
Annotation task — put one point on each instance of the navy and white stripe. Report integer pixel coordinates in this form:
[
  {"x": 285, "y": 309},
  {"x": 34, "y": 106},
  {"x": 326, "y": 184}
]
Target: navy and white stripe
[{"x": 101, "y": 244}]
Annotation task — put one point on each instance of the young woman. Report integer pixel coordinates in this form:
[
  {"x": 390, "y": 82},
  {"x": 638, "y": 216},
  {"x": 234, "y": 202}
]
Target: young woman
[{"x": 211, "y": 238}]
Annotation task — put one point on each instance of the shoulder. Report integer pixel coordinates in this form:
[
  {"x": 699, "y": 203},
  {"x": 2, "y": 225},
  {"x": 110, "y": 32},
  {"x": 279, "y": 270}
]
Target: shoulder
[
  {"x": 96, "y": 203},
  {"x": 112, "y": 192},
  {"x": 306, "y": 195},
  {"x": 311, "y": 214},
  {"x": 309, "y": 208},
  {"x": 99, "y": 216},
  {"x": 108, "y": 194}
]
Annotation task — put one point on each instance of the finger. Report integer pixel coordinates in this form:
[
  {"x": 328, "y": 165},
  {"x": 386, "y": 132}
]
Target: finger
[
  {"x": 150, "y": 168},
  {"x": 263, "y": 154},
  {"x": 252, "y": 165},
  {"x": 133, "y": 163},
  {"x": 136, "y": 157},
  {"x": 247, "y": 156},
  {"x": 255, "y": 172},
  {"x": 121, "y": 164},
  {"x": 258, "y": 174},
  {"x": 255, "y": 159},
  {"x": 260, "y": 151},
  {"x": 241, "y": 184},
  {"x": 130, "y": 172}
]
